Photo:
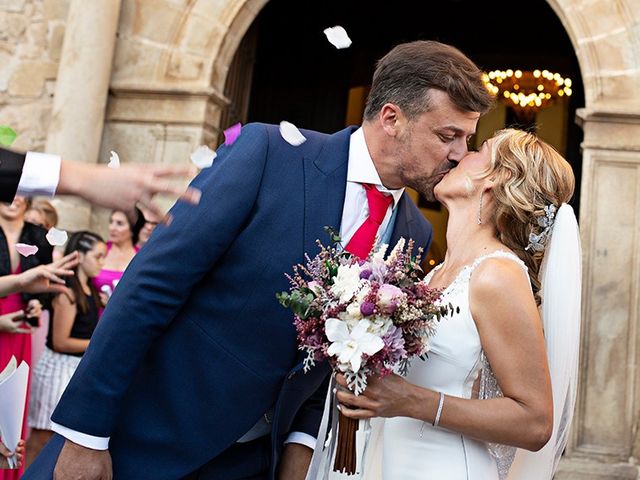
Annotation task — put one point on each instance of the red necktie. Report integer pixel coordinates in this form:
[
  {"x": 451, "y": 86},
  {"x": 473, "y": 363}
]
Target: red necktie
[{"x": 362, "y": 241}]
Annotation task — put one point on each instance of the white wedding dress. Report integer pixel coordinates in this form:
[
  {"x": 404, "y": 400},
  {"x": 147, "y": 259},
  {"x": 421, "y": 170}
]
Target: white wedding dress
[
  {"x": 415, "y": 450},
  {"x": 402, "y": 448}
]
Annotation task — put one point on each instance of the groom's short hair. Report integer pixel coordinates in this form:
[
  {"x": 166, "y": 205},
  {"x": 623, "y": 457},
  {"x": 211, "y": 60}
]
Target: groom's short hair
[{"x": 405, "y": 75}]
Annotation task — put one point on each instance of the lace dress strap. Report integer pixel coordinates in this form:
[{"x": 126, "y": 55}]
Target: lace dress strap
[{"x": 499, "y": 254}]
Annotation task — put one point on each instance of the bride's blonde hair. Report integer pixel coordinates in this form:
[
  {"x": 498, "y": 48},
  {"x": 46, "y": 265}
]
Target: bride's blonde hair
[{"x": 528, "y": 175}]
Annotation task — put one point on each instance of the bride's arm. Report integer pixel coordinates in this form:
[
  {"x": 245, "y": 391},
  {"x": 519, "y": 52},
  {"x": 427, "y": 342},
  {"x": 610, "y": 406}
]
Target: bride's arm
[{"x": 511, "y": 334}]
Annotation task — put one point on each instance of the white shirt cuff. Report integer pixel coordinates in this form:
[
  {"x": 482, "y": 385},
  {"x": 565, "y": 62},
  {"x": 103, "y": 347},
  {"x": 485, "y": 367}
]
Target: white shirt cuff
[
  {"x": 40, "y": 175},
  {"x": 88, "y": 441},
  {"x": 301, "y": 438}
]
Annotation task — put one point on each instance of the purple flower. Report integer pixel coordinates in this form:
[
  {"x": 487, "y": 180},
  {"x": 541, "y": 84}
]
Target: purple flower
[
  {"x": 367, "y": 308},
  {"x": 394, "y": 344},
  {"x": 365, "y": 274}
]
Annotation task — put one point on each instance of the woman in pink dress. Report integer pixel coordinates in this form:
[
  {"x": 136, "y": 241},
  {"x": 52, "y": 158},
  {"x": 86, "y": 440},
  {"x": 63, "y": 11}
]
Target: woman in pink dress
[
  {"x": 15, "y": 338},
  {"x": 121, "y": 248}
]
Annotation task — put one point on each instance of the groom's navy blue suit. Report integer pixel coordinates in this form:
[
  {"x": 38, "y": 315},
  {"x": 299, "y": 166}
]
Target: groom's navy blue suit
[{"x": 193, "y": 347}]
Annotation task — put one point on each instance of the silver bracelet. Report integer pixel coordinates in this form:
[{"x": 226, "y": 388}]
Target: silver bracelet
[{"x": 436, "y": 422}]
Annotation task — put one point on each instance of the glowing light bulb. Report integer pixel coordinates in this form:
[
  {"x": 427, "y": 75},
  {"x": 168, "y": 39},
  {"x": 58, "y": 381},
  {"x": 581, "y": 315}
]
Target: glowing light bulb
[
  {"x": 518, "y": 73},
  {"x": 536, "y": 73},
  {"x": 567, "y": 82}
]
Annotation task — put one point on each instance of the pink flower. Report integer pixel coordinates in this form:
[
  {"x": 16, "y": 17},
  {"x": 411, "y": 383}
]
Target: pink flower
[{"x": 388, "y": 298}]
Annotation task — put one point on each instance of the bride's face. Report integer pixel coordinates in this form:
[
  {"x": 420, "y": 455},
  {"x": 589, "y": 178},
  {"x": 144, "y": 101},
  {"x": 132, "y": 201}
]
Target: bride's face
[{"x": 464, "y": 180}]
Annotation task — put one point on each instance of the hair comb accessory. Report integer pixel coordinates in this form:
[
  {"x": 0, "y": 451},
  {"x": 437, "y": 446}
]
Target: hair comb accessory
[{"x": 537, "y": 242}]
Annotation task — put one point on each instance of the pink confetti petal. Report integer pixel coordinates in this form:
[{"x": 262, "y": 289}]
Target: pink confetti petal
[
  {"x": 25, "y": 249},
  {"x": 231, "y": 134}
]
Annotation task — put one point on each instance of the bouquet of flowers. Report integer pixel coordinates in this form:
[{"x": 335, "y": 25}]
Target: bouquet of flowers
[{"x": 365, "y": 317}]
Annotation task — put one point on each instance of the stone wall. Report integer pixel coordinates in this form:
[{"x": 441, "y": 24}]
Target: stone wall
[{"x": 31, "y": 37}]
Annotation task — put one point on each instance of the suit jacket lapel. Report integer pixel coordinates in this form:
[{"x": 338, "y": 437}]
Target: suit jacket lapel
[{"x": 325, "y": 182}]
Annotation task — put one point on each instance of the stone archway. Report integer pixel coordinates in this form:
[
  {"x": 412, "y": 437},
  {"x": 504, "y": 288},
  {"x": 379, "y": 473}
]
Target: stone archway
[
  {"x": 166, "y": 94},
  {"x": 602, "y": 444}
]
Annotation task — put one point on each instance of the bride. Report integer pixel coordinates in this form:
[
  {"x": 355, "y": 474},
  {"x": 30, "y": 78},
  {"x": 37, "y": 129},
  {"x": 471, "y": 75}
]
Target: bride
[{"x": 486, "y": 387}]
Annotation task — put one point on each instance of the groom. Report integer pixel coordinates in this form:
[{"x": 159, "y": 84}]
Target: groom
[{"x": 193, "y": 370}]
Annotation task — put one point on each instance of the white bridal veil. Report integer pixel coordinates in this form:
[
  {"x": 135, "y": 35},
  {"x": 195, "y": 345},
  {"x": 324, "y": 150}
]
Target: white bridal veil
[{"x": 561, "y": 279}]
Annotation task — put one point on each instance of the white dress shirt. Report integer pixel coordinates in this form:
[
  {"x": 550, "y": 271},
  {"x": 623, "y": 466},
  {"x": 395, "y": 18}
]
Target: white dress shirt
[
  {"x": 360, "y": 169},
  {"x": 40, "y": 175}
]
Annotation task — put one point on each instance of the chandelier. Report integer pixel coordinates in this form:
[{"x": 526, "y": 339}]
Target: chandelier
[{"x": 527, "y": 92}]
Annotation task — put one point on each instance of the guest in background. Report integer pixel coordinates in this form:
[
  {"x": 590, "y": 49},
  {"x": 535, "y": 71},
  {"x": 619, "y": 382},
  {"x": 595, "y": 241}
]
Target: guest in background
[
  {"x": 75, "y": 316},
  {"x": 42, "y": 213},
  {"x": 13, "y": 230},
  {"x": 151, "y": 221},
  {"x": 121, "y": 248}
]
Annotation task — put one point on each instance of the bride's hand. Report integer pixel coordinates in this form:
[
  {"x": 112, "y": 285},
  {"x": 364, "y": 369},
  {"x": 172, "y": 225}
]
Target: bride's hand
[{"x": 391, "y": 396}]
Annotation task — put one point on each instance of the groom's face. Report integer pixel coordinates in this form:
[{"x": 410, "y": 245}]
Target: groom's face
[{"x": 434, "y": 142}]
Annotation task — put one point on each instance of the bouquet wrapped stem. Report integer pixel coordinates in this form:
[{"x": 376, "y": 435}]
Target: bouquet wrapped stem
[{"x": 345, "y": 461}]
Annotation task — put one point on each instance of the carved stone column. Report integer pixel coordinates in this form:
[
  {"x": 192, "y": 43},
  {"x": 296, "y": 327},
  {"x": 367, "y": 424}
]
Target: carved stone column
[
  {"x": 81, "y": 91},
  {"x": 604, "y": 443}
]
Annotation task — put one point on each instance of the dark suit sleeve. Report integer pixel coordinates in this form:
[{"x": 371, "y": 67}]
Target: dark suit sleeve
[
  {"x": 159, "y": 281},
  {"x": 308, "y": 418},
  {"x": 11, "y": 164}
]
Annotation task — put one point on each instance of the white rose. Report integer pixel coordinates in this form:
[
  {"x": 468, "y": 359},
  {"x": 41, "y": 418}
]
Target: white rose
[{"x": 346, "y": 282}]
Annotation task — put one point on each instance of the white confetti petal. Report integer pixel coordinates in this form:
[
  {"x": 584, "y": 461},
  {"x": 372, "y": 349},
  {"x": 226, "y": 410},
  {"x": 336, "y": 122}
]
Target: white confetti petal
[
  {"x": 338, "y": 37},
  {"x": 56, "y": 237},
  {"x": 106, "y": 289},
  {"x": 114, "y": 161},
  {"x": 291, "y": 134},
  {"x": 203, "y": 156}
]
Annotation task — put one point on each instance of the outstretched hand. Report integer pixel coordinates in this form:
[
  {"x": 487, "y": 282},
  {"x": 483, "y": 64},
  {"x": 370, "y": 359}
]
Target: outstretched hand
[
  {"x": 126, "y": 187},
  {"x": 48, "y": 278},
  {"x": 390, "y": 396}
]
